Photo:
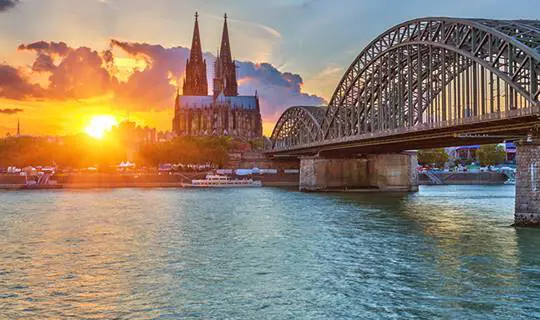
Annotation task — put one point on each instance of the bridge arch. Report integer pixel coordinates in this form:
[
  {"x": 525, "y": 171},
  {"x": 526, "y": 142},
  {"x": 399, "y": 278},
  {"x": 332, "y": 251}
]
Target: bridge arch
[
  {"x": 466, "y": 36},
  {"x": 434, "y": 72},
  {"x": 297, "y": 125}
]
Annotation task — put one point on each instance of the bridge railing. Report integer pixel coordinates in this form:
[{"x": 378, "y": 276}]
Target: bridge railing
[{"x": 454, "y": 123}]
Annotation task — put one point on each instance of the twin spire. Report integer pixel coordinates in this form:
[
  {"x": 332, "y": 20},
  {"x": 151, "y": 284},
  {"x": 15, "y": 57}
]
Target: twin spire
[
  {"x": 196, "y": 48},
  {"x": 196, "y": 83}
]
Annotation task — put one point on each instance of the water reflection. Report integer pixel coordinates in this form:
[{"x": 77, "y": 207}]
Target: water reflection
[{"x": 267, "y": 253}]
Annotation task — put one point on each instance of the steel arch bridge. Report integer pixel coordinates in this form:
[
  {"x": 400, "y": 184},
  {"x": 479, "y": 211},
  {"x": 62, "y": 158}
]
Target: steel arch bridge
[{"x": 425, "y": 83}]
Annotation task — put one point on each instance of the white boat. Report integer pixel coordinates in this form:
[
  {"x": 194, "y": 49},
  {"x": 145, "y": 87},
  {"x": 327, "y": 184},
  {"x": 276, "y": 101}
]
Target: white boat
[{"x": 219, "y": 181}]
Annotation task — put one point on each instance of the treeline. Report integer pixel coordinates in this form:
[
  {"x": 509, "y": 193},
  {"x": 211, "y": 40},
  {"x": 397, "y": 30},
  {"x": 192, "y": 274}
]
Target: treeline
[
  {"x": 82, "y": 151},
  {"x": 188, "y": 150},
  {"x": 486, "y": 155}
]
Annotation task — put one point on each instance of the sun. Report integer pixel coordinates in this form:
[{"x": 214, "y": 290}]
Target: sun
[{"x": 99, "y": 125}]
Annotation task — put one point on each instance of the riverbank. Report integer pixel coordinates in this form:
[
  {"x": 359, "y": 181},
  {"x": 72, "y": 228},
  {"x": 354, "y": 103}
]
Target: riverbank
[
  {"x": 462, "y": 178},
  {"x": 117, "y": 180}
]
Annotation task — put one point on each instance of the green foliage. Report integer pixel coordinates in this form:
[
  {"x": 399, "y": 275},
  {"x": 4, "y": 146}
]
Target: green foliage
[
  {"x": 491, "y": 154},
  {"x": 437, "y": 157},
  {"x": 187, "y": 150},
  {"x": 82, "y": 151}
]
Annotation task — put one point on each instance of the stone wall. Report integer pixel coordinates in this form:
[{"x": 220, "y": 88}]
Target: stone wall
[
  {"x": 318, "y": 174},
  {"x": 527, "y": 211},
  {"x": 383, "y": 172},
  {"x": 462, "y": 178},
  {"x": 394, "y": 171},
  {"x": 254, "y": 159}
]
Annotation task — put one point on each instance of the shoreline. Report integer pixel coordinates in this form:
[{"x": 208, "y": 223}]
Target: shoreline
[
  {"x": 116, "y": 181},
  {"x": 138, "y": 185}
]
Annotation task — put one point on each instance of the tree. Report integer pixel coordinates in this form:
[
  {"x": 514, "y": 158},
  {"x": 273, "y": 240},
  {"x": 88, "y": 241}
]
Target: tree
[
  {"x": 491, "y": 154},
  {"x": 437, "y": 157},
  {"x": 187, "y": 150},
  {"x": 82, "y": 151}
]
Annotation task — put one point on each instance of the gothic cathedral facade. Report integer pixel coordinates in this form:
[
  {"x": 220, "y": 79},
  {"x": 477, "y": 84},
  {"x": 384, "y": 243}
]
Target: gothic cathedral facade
[{"x": 224, "y": 113}]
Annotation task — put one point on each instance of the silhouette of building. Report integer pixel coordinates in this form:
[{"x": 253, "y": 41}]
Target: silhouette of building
[{"x": 224, "y": 113}]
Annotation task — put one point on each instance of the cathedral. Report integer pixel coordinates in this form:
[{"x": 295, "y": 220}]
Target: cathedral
[{"x": 224, "y": 113}]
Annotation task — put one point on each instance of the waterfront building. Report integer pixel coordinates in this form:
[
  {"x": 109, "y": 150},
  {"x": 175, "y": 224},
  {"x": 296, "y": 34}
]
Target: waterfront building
[
  {"x": 224, "y": 113},
  {"x": 470, "y": 153}
]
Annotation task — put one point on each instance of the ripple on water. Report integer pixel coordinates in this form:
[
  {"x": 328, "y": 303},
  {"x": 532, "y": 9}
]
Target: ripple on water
[{"x": 444, "y": 252}]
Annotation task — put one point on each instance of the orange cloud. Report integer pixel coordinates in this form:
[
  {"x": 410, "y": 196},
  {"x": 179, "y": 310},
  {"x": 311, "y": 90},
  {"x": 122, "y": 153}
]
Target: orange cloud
[{"x": 129, "y": 76}]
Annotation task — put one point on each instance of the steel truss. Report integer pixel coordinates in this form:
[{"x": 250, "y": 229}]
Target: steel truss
[{"x": 424, "y": 73}]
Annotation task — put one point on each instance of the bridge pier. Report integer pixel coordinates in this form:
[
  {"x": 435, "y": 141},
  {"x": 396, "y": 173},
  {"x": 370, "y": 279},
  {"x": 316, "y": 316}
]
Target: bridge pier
[
  {"x": 527, "y": 211},
  {"x": 374, "y": 172}
]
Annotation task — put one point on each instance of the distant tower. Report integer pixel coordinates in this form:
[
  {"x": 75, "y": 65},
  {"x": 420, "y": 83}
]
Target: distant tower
[
  {"x": 225, "y": 68},
  {"x": 18, "y": 127},
  {"x": 195, "y": 83}
]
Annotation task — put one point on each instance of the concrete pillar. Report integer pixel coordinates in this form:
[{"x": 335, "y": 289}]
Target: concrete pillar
[
  {"x": 379, "y": 172},
  {"x": 390, "y": 172},
  {"x": 527, "y": 212}
]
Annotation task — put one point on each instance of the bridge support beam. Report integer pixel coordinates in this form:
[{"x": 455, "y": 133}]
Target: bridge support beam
[
  {"x": 376, "y": 172},
  {"x": 527, "y": 211}
]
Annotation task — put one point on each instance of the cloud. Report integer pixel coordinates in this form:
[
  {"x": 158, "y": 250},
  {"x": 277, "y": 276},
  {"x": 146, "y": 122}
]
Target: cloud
[
  {"x": 78, "y": 73},
  {"x": 14, "y": 85},
  {"x": 269, "y": 30},
  {"x": 7, "y": 4},
  {"x": 277, "y": 90},
  {"x": 58, "y": 48},
  {"x": 152, "y": 88},
  {"x": 10, "y": 111},
  {"x": 81, "y": 72}
]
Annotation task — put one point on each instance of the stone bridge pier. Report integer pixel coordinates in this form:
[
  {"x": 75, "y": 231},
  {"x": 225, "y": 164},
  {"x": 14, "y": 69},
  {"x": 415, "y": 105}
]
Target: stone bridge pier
[
  {"x": 373, "y": 172},
  {"x": 527, "y": 211}
]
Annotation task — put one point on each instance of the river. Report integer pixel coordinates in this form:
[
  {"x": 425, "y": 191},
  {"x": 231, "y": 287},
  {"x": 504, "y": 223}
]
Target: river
[{"x": 268, "y": 253}]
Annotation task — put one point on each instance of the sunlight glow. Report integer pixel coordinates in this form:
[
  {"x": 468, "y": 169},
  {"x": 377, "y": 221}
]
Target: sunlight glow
[{"x": 99, "y": 125}]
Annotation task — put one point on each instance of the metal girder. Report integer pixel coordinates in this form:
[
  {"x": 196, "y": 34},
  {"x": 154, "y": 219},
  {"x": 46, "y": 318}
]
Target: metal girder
[
  {"x": 425, "y": 72},
  {"x": 297, "y": 125}
]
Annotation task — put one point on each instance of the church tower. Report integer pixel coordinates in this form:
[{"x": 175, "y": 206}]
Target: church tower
[
  {"x": 225, "y": 68},
  {"x": 196, "y": 83},
  {"x": 224, "y": 113}
]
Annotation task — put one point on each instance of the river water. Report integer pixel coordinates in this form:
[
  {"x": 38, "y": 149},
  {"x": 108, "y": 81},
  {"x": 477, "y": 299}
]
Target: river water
[{"x": 444, "y": 252}]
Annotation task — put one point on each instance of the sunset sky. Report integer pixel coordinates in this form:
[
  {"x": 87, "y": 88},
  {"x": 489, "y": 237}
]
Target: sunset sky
[{"x": 64, "y": 61}]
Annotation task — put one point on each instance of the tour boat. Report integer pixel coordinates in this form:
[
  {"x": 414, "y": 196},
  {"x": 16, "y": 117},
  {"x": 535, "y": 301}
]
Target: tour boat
[{"x": 219, "y": 181}]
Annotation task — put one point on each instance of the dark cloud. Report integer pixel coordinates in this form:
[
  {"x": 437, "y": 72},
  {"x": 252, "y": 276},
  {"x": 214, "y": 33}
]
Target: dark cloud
[
  {"x": 7, "y": 4},
  {"x": 10, "y": 110},
  {"x": 153, "y": 87},
  {"x": 80, "y": 74},
  {"x": 277, "y": 90},
  {"x": 14, "y": 85},
  {"x": 76, "y": 73},
  {"x": 43, "y": 63},
  {"x": 58, "y": 48}
]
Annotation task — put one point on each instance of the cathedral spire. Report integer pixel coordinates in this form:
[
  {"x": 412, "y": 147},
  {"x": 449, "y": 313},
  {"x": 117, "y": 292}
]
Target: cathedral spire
[
  {"x": 196, "y": 48},
  {"x": 225, "y": 51},
  {"x": 196, "y": 83},
  {"x": 225, "y": 69}
]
